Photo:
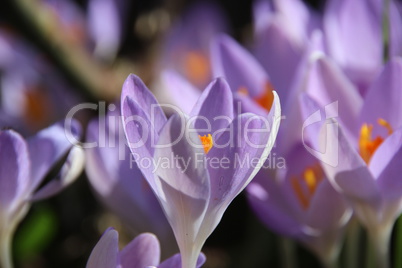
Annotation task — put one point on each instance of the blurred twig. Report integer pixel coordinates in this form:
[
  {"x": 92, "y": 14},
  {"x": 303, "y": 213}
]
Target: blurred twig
[{"x": 99, "y": 81}]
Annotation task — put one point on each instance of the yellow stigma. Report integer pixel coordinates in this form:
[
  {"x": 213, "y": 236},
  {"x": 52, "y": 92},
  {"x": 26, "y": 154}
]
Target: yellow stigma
[
  {"x": 207, "y": 142},
  {"x": 305, "y": 185},
  {"x": 196, "y": 67},
  {"x": 368, "y": 145},
  {"x": 265, "y": 100}
]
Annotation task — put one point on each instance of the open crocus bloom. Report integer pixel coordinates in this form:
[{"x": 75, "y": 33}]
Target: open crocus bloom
[
  {"x": 366, "y": 172},
  {"x": 299, "y": 202},
  {"x": 200, "y": 162},
  {"x": 143, "y": 251},
  {"x": 25, "y": 163},
  {"x": 118, "y": 181}
]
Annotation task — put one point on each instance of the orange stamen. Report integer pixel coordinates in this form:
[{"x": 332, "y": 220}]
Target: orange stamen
[
  {"x": 368, "y": 145},
  {"x": 306, "y": 184},
  {"x": 207, "y": 142}
]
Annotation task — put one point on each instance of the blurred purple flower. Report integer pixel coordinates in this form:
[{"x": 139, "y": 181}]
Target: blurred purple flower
[
  {"x": 118, "y": 182},
  {"x": 355, "y": 40},
  {"x": 186, "y": 50},
  {"x": 249, "y": 82},
  {"x": 24, "y": 165},
  {"x": 193, "y": 192},
  {"x": 282, "y": 30},
  {"x": 298, "y": 201},
  {"x": 33, "y": 94}
]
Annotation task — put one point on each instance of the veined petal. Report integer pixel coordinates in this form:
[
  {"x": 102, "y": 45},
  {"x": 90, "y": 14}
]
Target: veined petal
[
  {"x": 48, "y": 147},
  {"x": 244, "y": 147},
  {"x": 143, "y": 251},
  {"x": 105, "y": 254},
  {"x": 214, "y": 109},
  {"x": 182, "y": 184},
  {"x": 14, "y": 171},
  {"x": 141, "y": 134},
  {"x": 138, "y": 94},
  {"x": 238, "y": 66}
]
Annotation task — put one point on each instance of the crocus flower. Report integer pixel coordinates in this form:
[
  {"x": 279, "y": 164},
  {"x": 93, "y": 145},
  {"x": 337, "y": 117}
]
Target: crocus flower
[
  {"x": 188, "y": 154},
  {"x": 143, "y": 251},
  {"x": 118, "y": 182},
  {"x": 298, "y": 201},
  {"x": 186, "y": 49},
  {"x": 354, "y": 37},
  {"x": 248, "y": 80},
  {"x": 24, "y": 165},
  {"x": 33, "y": 94},
  {"x": 367, "y": 170}
]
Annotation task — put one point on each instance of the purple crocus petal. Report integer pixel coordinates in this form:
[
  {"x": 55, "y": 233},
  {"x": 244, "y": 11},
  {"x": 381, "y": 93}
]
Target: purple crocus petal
[
  {"x": 135, "y": 90},
  {"x": 353, "y": 29},
  {"x": 384, "y": 98},
  {"x": 48, "y": 146},
  {"x": 182, "y": 184},
  {"x": 242, "y": 71},
  {"x": 69, "y": 172},
  {"x": 182, "y": 92},
  {"x": 326, "y": 83},
  {"x": 350, "y": 175},
  {"x": 106, "y": 252},
  {"x": 385, "y": 165},
  {"x": 104, "y": 23},
  {"x": 271, "y": 206},
  {"x": 142, "y": 120},
  {"x": 14, "y": 171},
  {"x": 278, "y": 56},
  {"x": 245, "y": 104},
  {"x": 395, "y": 29},
  {"x": 214, "y": 109},
  {"x": 175, "y": 261},
  {"x": 262, "y": 15},
  {"x": 143, "y": 251},
  {"x": 240, "y": 146},
  {"x": 326, "y": 201}
]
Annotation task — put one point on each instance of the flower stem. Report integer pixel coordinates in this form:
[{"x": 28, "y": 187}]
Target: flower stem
[
  {"x": 352, "y": 244},
  {"x": 5, "y": 250},
  {"x": 398, "y": 247},
  {"x": 380, "y": 239},
  {"x": 288, "y": 253}
]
